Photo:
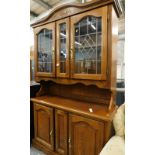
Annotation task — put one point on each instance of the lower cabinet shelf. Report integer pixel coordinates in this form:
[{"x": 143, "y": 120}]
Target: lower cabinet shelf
[{"x": 59, "y": 132}]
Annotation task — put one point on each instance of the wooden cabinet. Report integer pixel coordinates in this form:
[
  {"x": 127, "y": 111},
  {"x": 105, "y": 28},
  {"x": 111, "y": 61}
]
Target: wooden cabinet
[
  {"x": 45, "y": 50},
  {"x": 61, "y": 128},
  {"x": 86, "y": 57},
  {"x": 74, "y": 134},
  {"x": 43, "y": 118},
  {"x": 89, "y": 45},
  {"x": 85, "y": 136},
  {"x": 75, "y": 43},
  {"x": 75, "y": 63}
]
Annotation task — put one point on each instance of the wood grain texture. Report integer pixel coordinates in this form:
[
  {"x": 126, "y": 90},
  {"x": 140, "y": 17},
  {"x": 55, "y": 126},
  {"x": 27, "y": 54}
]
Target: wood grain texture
[
  {"x": 86, "y": 136},
  {"x": 65, "y": 81},
  {"x": 99, "y": 113},
  {"x": 61, "y": 134},
  {"x": 74, "y": 8},
  {"x": 77, "y": 91},
  {"x": 78, "y": 108},
  {"x": 80, "y": 92},
  {"x": 112, "y": 52},
  {"x": 43, "y": 118},
  {"x": 43, "y": 148}
]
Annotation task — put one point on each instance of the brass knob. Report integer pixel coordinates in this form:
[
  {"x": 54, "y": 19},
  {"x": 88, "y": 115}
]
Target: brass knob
[
  {"x": 51, "y": 132},
  {"x": 69, "y": 140},
  {"x": 71, "y": 53}
]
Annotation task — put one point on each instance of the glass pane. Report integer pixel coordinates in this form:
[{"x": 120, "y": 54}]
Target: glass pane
[
  {"x": 88, "y": 37},
  {"x": 45, "y": 51},
  {"x": 62, "y": 47}
]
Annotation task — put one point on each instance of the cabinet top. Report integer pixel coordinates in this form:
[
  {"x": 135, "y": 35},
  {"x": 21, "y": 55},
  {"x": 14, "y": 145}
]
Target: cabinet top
[
  {"x": 69, "y": 9},
  {"x": 87, "y": 109}
]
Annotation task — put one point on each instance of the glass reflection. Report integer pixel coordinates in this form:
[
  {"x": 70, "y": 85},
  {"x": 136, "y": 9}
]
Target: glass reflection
[
  {"x": 44, "y": 51},
  {"x": 88, "y": 36},
  {"x": 62, "y": 48}
]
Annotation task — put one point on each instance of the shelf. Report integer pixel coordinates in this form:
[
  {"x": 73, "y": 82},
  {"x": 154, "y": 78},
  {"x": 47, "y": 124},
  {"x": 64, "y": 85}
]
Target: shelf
[{"x": 98, "y": 111}]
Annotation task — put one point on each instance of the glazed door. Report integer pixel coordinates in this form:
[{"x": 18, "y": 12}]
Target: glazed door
[
  {"x": 89, "y": 45},
  {"x": 62, "y": 65},
  {"x": 61, "y": 132},
  {"x": 85, "y": 136},
  {"x": 45, "y": 50},
  {"x": 44, "y": 125}
]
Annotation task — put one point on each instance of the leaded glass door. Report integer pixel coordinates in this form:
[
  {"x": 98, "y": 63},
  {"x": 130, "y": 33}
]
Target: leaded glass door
[
  {"x": 62, "y": 65},
  {"x": 45, "y": 50},
  {"x": 89, "y": 45}
]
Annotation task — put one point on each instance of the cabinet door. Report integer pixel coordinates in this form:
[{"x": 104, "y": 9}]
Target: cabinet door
[
  {"x": 45, "y": 50},
  {"x": 44, "y": 125},
  {"x": 61, "y": 132},
  {"x": 85, "y": 136},
  {"x": 62, "y": 65},
  {"x": 89, "y": 45}
]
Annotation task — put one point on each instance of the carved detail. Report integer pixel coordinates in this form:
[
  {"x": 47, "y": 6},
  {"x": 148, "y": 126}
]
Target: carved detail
[
  {"x": 73, "y": 8},
  {"x": 64, "y": 13},
  {"x": 99, "y": 84},
  {"x": 43, "y": 89}
]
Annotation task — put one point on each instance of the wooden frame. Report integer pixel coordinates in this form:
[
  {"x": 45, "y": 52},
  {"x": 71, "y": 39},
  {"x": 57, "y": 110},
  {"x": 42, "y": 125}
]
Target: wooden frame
[
  {"x": 100, "y": 12},
  {"x": 48, "y": 112},
  {"x": 78, "y": 107},
  {"x": 66, "y": 20},
  {"x": 50, "y": 26},
  {"x": 77, "y": 124},
  {"x": 73, "y": 8}
]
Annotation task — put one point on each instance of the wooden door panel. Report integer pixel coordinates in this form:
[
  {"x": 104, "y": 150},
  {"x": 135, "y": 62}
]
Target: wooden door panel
[
  {"x": 61, "y": 132},
  {"x": 81, "y": 140},
  {"x": 86, "y": 136},
  {"x": 44, "y": 125}
]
